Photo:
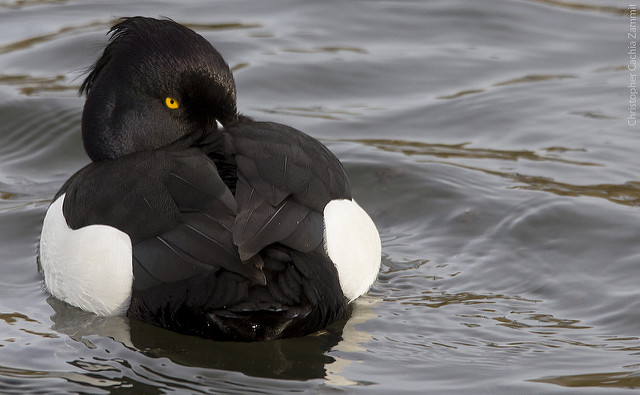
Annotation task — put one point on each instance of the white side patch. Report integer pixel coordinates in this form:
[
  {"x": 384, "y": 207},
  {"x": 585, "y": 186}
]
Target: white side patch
[
  {"x": 90, "y": 267},
  {"x": 353, "y": 244}
]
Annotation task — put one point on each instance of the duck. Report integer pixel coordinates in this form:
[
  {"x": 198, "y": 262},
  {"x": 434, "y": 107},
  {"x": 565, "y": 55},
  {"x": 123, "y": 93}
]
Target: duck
[{"x": 196, "y": 218}]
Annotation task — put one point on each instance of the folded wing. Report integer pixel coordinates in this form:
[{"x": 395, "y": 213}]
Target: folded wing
[
  {"x": 285, "y": 179},
  {"x": 174, "y": 207}
]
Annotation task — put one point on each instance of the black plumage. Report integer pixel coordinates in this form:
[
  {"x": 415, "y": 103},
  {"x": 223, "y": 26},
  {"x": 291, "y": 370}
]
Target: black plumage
[
  {"x": 226, "y": 223},
  {"x": 285, "y": 178}
]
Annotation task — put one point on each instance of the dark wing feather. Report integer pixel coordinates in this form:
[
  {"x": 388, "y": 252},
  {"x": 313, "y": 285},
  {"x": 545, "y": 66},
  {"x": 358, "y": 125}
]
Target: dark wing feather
[
  {"x": 260, "y": 224},
  {"x": 174, "y": 207},
  {"x": 270, "y": 192},
  {"x": 285, "y": 178}
]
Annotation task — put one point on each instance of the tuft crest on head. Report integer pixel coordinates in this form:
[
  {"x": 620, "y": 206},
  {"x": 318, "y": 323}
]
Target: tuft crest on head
[
  {"x": 155, "y": 82},
  {"x": 158, "y": 41},
  {"x": 117, "y": 32}
]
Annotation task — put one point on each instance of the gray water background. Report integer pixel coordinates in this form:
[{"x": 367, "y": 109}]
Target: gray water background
[{"x": 488, "y": 139}]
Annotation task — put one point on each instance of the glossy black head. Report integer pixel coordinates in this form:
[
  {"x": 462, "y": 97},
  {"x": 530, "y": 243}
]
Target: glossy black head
[{"x": 156, "y": 82}]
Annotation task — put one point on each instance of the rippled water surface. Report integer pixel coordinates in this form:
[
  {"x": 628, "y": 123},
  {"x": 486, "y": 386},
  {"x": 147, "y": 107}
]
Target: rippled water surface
[{"x": 490, "y": 141}]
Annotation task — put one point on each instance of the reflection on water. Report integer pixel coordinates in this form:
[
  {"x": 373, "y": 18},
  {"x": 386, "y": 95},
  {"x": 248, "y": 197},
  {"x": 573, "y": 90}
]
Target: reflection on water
[
  {"x": 462, "y": 93},
  {"x": 515, "y": 81},
  {"x": 442, "y": 298},
  {"x": 627, "y": 193},
  {"x": 462, "y": 151},
  {"x": 293, "y": 359},
  {"x": 331, "y": 114},
  {"x": 41, "y": 375},
  {"x": 584, "y": 7},
  {"x": 630, "y": 379},
  {"x": 12, "y": 318},
  {"x": 299, "y": 358},
  {"x": 327, "y": 50},
  {"x": 18, "y": 4},
  {"x": 534, "y": 78},
  {"x": 30, "y": 85},
  {"x": 141, "y": 357},
  {"x": 488, "y": 140},
  {"x": 62, "y": 32},
  {"x": 222, "y": 26}
]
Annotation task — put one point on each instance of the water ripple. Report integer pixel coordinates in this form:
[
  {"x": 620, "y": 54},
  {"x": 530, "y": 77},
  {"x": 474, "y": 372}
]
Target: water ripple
[
  {"x": 62, "y": 32},
  {"x": 461, "y": 150},
  {"x": 514, "y": 81},
  {"x": 584, "y": 7},
  {"x": 625, "y": 379},
  {"x": 627, "y": 193},
  {"x": 20, "y": 4}
]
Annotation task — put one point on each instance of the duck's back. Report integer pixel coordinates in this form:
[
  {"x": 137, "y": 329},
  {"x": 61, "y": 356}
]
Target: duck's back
[{"x": 181, "y": 218}]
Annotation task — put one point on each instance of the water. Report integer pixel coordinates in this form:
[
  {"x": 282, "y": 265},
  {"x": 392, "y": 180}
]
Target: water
[{"x": 489, "y": 140}]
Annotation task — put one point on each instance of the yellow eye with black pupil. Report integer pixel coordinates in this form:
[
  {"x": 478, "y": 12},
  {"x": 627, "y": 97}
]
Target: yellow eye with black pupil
[{"x": 171, "y": 103}]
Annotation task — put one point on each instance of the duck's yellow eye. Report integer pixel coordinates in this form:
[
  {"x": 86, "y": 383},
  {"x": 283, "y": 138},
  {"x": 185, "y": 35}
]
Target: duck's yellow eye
[{"x": 171, "y": 103}]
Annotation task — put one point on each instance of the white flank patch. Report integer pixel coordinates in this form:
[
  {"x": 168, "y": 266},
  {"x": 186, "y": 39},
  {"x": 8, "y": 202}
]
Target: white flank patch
[
  {"x": 90, "y": 267},
  {"x": 353, "y": 244}
]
